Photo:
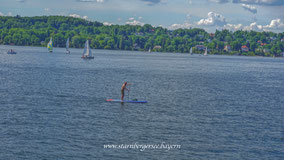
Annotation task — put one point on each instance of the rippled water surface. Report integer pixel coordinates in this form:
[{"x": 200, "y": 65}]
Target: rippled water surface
[{"x": 216, "y": 107}]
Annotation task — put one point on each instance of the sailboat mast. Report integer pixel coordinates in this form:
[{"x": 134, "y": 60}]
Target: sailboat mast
[{"x": 67, "y": 45}]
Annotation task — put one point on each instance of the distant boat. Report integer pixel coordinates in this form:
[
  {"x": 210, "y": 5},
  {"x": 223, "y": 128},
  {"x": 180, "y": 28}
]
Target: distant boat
[
  {"x": 87, "y": 54},
  {"x": 125, "y": 101},
  {"x": 11, "y": 51},
  {"x": 50, "y": 45},
  {"x": 67, "y": 46},
  {"x": 205, "y": 53},
  {"x": 190, "y": 52}
]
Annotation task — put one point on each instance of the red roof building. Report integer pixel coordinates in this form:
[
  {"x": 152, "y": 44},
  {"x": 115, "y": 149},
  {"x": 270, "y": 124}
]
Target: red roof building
[
  {"x": 212, "y": 35},
  {"x": 245, "y": 49},
  {"x": 263, "y": 44}
]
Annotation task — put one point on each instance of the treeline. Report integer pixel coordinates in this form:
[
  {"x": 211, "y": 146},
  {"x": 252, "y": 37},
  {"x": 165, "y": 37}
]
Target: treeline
[{"x": 36, "y": 31}]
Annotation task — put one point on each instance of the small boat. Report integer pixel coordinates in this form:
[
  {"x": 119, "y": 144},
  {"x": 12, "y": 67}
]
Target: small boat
[
  {"x": 67, "y": 46},
  {"x": 50, "y": 45},
  {"x": 87, "y": 54},
  {"x": 205, "y": 53},
  {"x": 11, "y": 51},
  {"x": 190, "y": 52},
  {"x": 125, "y": 101}
]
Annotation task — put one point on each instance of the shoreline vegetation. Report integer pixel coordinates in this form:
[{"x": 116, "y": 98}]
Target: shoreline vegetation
[{"x": 36, "y": 31}]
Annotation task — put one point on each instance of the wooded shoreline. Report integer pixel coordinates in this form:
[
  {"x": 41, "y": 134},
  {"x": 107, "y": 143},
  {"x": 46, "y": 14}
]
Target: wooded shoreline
[{"x": 36, "y": 31}]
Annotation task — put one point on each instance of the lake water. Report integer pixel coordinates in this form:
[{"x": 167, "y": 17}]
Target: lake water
[{"x": 215, "y": 107}]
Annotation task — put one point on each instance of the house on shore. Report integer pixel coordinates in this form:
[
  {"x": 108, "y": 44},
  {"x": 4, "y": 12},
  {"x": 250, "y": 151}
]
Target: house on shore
[
  {"x": 136, "y": 46},
  {"x": 245, "y": 49},
  {"x": 273, "y": 38},
  {"x": 263, "y": 44},
  {"x": 157, "y": 47},
  {"x": 265, "y": 50},
  {"x": 200, "y": 47},
  {"x": 212, "y": 35},
  {"x": 227, "y": 48}
]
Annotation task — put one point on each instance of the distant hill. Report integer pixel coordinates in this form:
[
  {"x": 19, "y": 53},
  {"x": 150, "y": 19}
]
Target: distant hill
[{"x": 36, "y": 31}]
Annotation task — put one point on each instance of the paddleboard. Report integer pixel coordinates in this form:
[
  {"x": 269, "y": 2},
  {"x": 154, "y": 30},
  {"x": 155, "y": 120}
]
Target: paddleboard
[{"x": 125, "y": 101}]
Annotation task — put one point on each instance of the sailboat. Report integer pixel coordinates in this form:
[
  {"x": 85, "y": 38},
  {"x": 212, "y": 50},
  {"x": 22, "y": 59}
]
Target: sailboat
[
  {"x": 50, "y": 45},
  {"x": 87, "y": 54},
  {"x": 205, "y": 53},
  {"x": 67, "y": 46},
  {"x": 11, "y": 51},
  {"x": 190, "y": 52}
]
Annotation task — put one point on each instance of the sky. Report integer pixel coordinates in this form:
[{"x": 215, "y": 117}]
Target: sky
[{"x": 258, "y": 15}]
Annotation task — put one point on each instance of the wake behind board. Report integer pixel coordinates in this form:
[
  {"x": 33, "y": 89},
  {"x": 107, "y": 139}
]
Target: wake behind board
[{"x": 125, "y": 101}]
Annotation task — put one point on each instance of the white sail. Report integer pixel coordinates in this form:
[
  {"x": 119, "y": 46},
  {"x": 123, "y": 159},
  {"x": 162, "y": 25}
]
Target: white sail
[
  {"x": 190, "y": 50},
  {"x": 50, "y": 45},
  {"x": 67, "y": 46},
  {"x": 205, "y": 53},
  {"x": 87, "y": 51}
]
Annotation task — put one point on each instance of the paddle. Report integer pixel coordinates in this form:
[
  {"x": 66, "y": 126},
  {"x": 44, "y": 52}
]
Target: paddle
[{"x": 128, "y": 92}]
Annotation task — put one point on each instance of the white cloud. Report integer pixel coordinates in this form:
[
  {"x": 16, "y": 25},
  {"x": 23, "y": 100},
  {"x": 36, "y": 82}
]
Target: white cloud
[
  {"x": 250, "y": 8},
  {"x": 107, "y": 24},
  {"x": 256, "y": 2},
  {"x": 8, "y": 14},
  {"x": 233, "y": 27},
  {"x": 177, "y": 26},
  {"x": 78, "y": 16},
  {"x": 261, "y": 2},
  {"x": 219, "y": 1},
  {"x": 214, "y": 19},
  {"x": 254, "y": 26},
  {"x": 74, "y": 15},
  {"x": 135, "y": 23},
  {"x": 275, "y": 24}
]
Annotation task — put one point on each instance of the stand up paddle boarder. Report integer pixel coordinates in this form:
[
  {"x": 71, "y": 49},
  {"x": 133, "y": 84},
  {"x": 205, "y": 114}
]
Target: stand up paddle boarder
[{"x": 123, "y": 87}]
